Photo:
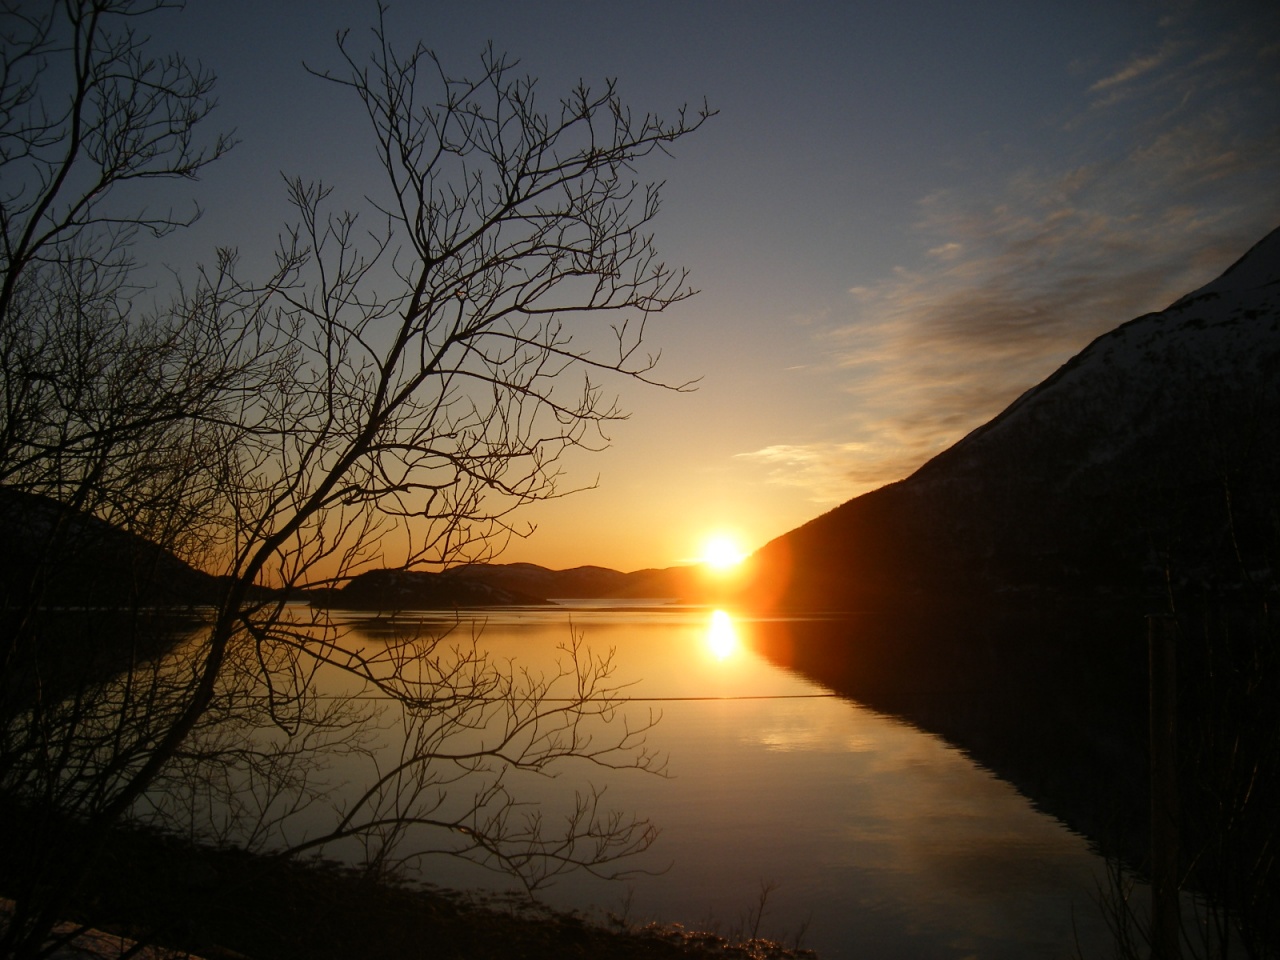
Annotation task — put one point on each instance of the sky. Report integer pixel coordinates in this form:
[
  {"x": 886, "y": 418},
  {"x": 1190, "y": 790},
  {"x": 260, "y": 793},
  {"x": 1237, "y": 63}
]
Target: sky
[{"x": 904, "y": 214}]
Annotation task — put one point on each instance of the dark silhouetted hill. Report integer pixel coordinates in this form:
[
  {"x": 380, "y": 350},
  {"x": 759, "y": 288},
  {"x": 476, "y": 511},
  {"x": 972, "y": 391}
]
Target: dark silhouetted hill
[
  {"x": 423, "y": 590},
  {"x": 586, "y": 582},
  {"x": 687, "y": 583},
  {"x": 55, "y": 556}
]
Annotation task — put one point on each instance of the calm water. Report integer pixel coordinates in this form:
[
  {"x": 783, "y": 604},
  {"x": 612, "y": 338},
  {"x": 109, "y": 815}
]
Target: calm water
[{"x": 878, "y": 840}]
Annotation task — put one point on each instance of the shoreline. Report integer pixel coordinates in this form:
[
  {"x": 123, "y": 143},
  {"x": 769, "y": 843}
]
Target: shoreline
[{"x": 226, "y": 904}]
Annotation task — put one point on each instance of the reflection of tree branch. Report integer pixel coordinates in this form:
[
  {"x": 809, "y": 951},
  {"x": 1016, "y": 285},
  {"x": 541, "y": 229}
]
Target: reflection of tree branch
[{"x": 531, "y": 736}]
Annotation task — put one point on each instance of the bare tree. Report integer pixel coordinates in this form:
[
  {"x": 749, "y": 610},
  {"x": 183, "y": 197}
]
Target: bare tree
[{"x": 418, "y": 367}]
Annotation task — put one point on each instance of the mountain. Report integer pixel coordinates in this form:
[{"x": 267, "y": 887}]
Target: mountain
[
  {"x": 56, "y": 556},
  {"x": 423, "y": 590},
  {"x": 996, "y": 597},
  {"x": 539, "y": 581},
  {"x": 1153, "y": 456},
  {"x": 690, "y": 582}
]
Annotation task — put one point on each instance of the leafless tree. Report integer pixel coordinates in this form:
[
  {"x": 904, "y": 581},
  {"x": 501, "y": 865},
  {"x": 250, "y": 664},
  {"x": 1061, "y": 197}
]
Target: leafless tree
[{"x": 418, "y": 367}]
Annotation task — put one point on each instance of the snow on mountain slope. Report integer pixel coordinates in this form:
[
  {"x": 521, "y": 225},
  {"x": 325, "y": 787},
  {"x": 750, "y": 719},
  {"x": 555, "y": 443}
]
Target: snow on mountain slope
[
  {"x": 1220, "y": 342},
  {"x": 1158, "y": 445}
]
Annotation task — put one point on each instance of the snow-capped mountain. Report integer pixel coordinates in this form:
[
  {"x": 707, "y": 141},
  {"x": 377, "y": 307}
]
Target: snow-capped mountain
[{"x": 1153, "y": 453}]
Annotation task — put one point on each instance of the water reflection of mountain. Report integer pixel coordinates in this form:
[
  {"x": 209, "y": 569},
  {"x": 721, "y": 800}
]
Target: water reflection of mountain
[
  {"x": 1046, "y": 703},
  {"x": 1055, "y": 702}
]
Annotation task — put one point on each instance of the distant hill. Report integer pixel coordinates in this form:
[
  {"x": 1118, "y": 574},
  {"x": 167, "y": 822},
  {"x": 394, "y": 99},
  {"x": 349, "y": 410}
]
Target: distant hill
[
  {"x": 1152, "y": 454},
  {"x": 423, "y": 590},
  {"x": 58, "y": 557},
  {"x": 691, "y": 583},
  {"x": 538, "y": 581},
  {"x": 55, "y": 556}
]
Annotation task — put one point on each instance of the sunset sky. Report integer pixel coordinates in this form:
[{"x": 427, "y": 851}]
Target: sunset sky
[{"x": 905, "y": 214}]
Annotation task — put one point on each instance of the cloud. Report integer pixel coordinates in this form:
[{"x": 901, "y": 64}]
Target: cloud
[
  {"x": 814, "y": 468},
  {"x": 1145, "y": 197},
  {"x": 1138, "y": 66},
  {"x": 831, "y": 473}
]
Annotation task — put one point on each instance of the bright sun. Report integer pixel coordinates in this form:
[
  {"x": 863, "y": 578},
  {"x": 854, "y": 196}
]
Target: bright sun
[{"x": 722, "y": 552}]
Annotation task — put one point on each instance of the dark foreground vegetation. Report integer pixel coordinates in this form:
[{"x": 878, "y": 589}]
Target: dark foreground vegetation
[{"x": 226, "y": 904}]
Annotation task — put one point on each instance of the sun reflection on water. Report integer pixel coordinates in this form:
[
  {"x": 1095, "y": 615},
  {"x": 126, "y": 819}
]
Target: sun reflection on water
[{"x": 722, "y": 636}]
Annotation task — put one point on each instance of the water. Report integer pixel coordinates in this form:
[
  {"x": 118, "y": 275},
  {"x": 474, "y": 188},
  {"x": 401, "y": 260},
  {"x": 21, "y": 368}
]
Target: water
[{"x": 865, "y": 836}]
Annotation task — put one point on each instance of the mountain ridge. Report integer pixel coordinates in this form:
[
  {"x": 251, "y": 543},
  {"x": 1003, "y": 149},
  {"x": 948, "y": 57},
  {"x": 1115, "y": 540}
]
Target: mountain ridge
[{"x": 1097, "y": 479}]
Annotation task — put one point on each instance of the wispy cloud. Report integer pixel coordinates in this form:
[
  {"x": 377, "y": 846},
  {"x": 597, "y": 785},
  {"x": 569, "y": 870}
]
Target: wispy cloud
[
  {"x": 1169, "y": 173},
  {"x": 828, "y": 472},
  {"x": 1138, "y": 66}
]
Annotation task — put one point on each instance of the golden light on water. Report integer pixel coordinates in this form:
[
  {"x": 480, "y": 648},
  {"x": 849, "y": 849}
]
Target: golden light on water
[{"x": 722, "y": 635}]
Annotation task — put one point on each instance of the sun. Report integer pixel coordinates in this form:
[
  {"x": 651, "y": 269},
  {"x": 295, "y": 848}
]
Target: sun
[{"x": 721, "y": 552}]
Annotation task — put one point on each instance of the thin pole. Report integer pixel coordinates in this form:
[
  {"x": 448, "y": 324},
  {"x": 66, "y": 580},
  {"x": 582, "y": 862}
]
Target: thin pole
[{"x": 1163, "y": 676}]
